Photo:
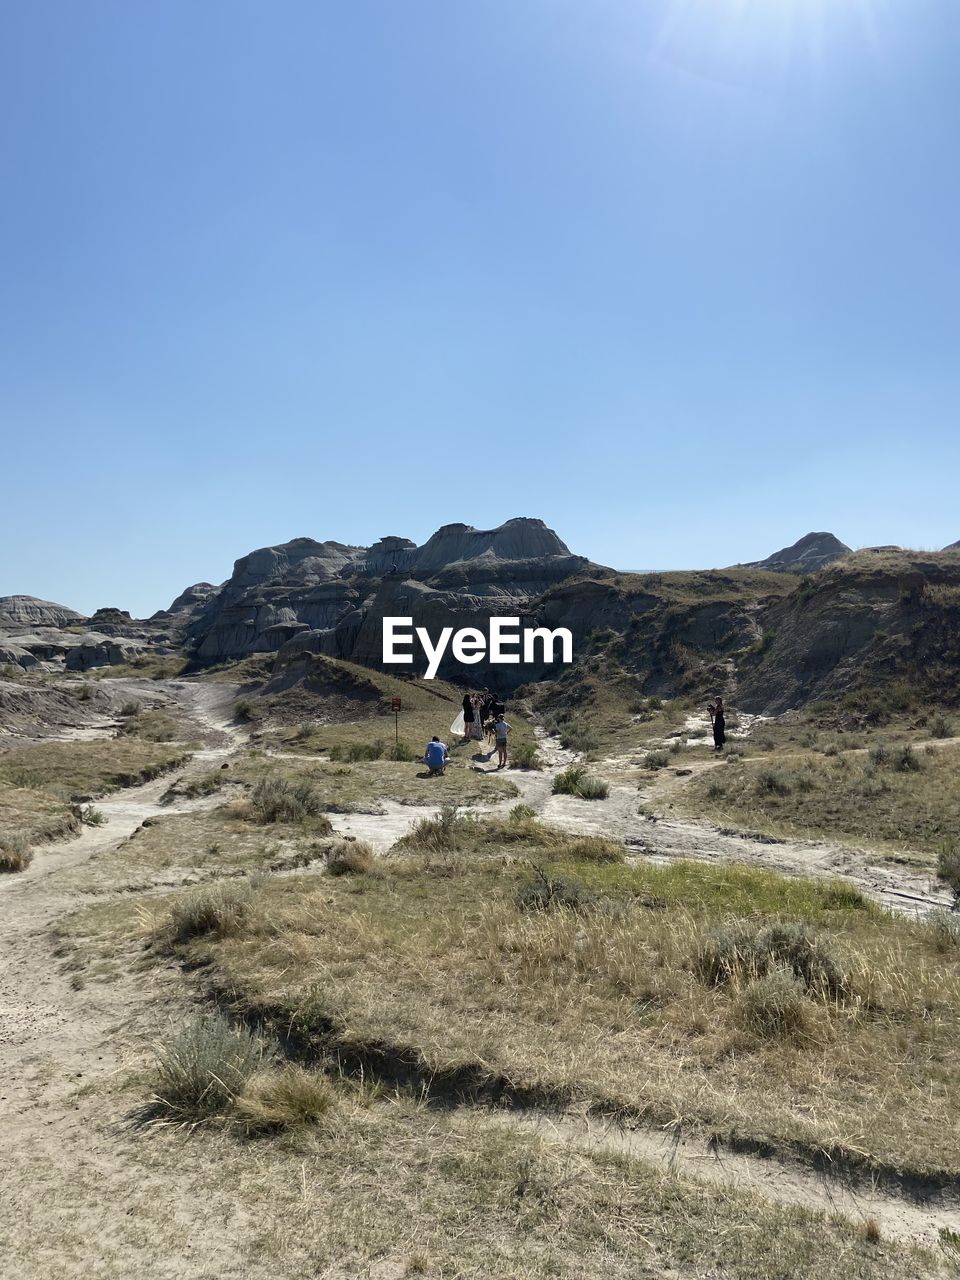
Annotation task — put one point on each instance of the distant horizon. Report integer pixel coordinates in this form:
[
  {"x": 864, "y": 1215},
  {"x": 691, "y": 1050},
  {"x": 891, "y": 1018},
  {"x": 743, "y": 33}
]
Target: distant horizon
[{"x": 141, "y": 613}]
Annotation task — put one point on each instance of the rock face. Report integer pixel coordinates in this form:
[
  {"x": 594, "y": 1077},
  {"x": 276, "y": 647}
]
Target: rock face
[
  {"x": 28, "y": 611},
  {"x": 329, "y": 598},
  {"x": 953, "y": 546},
  {"x": 864, "y": 622},
  {"x": 812, "y": 552}
]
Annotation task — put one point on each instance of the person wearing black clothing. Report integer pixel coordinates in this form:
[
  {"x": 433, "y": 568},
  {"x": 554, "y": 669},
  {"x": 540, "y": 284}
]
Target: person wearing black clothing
[
  {"x": 719, "y": 724},
  {"x": 468, "y": 716}
]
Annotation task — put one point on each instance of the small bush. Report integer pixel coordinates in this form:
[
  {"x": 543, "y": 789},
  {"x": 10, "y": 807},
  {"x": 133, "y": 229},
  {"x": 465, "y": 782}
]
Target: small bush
[
  {"x": 400, "y": 751},
  {"x": 773, "y": 782},
  {"x": 879, "y": 756},
  {"x": 92, "y": 817},
  {"x": 944, "y": 929},
  {"x": 280, "y": 800},
  {"x": 130, "y": 709},
  {"x": 351, "y": 858},
  {"x": 524, "y": 755},
  {"x": 575, "y": 781},
  {"x": 243, "y": 711},
  {"x": 941, "y": 727},
  {"x": 522, "y": 813},
  {"x": 15, "y": 854},
  {"x": 774, "y": 1005},
  {"x": 748, "y": 949},
  {"x": 905, "y": 760},
  {"x": 439, "y": 834},
  {"x": 546, "y": 893},
  {"x": 284, "y": 1098},
  {"x": 218, "y": 909},
  {"x": 84, "y": 693},
  {"x": 204, "y": 1068},
  {"x": 656, "y": 760},
  {"x": 575, "y": 735}
]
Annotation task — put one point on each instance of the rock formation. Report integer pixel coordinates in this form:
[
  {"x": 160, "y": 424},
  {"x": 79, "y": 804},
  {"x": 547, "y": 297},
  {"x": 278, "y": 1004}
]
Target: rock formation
[
  {"x": 326, "y": 597},
  {"x": 28, "y": 611},
  {"x": 813, "y": 551}
]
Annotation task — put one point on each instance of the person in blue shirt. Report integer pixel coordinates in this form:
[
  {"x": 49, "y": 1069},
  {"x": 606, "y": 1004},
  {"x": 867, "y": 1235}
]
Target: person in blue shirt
[{"x": 435, "y": 757}]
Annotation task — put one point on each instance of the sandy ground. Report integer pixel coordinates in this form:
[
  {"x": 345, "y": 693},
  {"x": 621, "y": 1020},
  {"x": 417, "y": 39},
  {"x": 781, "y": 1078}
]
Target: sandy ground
[{"x": 89, "y": 1183}]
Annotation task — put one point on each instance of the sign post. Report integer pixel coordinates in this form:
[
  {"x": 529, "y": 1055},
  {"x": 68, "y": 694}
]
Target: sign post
[{"x": 396, "y": 719}]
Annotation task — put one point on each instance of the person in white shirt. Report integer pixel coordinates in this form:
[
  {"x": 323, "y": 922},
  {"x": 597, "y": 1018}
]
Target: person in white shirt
[{"x": 500, "y": 731}]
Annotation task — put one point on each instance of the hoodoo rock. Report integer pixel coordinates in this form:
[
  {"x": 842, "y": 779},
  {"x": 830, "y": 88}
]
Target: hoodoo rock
[{"x": 812, "y": 552}]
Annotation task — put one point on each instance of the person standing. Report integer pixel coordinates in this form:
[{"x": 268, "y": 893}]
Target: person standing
[
  {"x": 500, "y": 731},
  {"x": 719, "y": 724},
  {"x": 468, "y": 717}
]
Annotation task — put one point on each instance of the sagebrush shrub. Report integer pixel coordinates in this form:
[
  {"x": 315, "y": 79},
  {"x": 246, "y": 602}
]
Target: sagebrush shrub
[
  {"x": 773, "y": 1005},
  {"x": 204, "y": 1067},
  {"x": 749, "y": 949},
  {"x": 545, "y": 893}
]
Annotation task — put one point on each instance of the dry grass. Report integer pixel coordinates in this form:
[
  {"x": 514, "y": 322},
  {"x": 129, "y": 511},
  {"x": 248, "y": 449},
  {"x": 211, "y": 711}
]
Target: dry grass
[
  {"x": 15, "y": 854},
  {"x": 903, "y": 798},
  {"x": 64, "y": 769},
  {"x": 362, "y": 786},
  {"x": 29, "y": 815},
  {"x": 569, "y": 1002}
]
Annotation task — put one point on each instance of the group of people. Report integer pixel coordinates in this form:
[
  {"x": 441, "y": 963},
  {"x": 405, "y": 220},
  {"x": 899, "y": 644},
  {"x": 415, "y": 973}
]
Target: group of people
[
  {"x": 480, "y": 712},
  {"x": 483, "y": 716}
]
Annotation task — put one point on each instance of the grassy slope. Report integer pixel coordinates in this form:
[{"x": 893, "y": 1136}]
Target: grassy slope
[{"x": 912, "y": 812}]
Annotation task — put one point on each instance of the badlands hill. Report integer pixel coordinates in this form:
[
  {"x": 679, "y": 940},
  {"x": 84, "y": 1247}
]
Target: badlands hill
[{"x": 813, "y": 622}]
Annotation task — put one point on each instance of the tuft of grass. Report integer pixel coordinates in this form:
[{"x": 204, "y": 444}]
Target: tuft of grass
[
  {"x": 524, "y": 755},
  {"x": 351, "y": 858},
  {"x": 204, "y": 1068},
  {"x": 220, "y": 909},
  {"x": 948, "y": 867},
  {"x": 774, "y": 1006},
  {"x": 657, "y": 759},
  {"x": 438, "y": 834},
  {"x": 284, "y": 1098},
  {"x": 243, "y": 711},
  {"x": 522, "y": 813},
  {"x": 575, "y": 781},
  {"x": 593, "y": 849},
  {"x": 92, "y": 817},
  {"x": 354, "y": 751},
  {"x": 15, "y": 854},
  {"x": 280, "y": 800},
  {"x": 944, "y": 930},
  {"x": 130, "y": 709}
]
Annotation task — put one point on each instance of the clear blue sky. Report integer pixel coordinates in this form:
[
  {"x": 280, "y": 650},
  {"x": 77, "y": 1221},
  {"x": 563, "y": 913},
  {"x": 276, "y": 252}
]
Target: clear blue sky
[{"x": 678, "y": 276}]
